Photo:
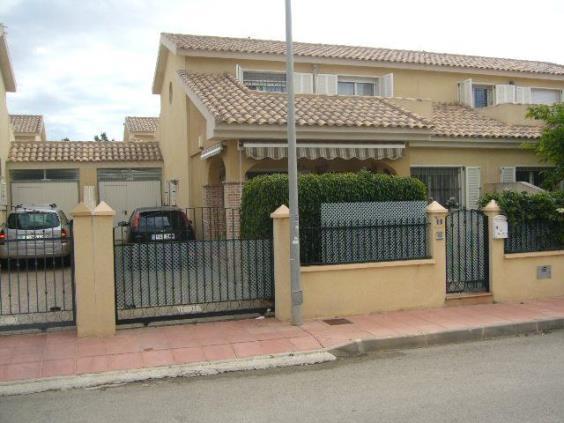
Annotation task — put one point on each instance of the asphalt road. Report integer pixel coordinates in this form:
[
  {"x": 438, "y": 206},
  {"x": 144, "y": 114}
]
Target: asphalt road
[{"x": 504, "y": 380}]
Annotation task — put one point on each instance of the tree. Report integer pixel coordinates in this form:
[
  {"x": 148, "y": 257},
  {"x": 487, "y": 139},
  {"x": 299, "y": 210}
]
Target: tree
[
  {"x": 102, "y": 137},
  {"x": 65, "y": 139},
  {"x": 550, "y": 147}
]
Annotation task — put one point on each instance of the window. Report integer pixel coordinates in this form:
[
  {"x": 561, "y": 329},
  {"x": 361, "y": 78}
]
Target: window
[
  {"x": 350, "y": 86},
  {"x": 532, "y": 175},
  {"x": 483, "y": 95},
  {"x": 544, "y": 96},
  {"x": 444, "y": 184},
  {"x": 44, "y": 174},
  {"x": 272, "y": 82},
  {"x": 33, "y": 220}
]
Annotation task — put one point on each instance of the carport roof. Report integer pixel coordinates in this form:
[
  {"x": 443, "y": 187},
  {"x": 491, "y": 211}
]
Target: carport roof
[{"x": 84, "y": 151}]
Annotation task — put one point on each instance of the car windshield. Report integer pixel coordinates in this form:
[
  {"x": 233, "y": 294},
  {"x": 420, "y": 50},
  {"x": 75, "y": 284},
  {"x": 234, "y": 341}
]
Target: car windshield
[
  {"x": 33, "y": 220},
  {"x": 160, "y": 221}
]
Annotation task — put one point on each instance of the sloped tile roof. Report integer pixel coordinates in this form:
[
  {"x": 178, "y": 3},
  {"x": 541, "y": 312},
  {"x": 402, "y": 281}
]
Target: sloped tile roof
[
  {"x": 455, "y": 120},
  {"x": 366, "y": 54},
  {"x": 83, "y": 151},
  {"x": 231, "y": 102},
  {"x": 142, "y": 123},
  {"x": 27, "y": 124}
]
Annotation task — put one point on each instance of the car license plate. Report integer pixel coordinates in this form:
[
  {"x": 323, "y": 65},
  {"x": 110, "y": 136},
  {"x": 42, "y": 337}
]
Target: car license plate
[
  {"x": 161, "y": 237},
  {"x": 32, "y": 236}
]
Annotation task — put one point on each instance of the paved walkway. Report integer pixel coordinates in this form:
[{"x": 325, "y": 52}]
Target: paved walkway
[{"x": 33, "y": 356}]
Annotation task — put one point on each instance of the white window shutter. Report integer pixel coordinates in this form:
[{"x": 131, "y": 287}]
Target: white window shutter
[
  {"x": 386, "y": 85},
  {"x": 239, "y": 73},
  {"x": 504, "y": 93},
  {"x": 562, "y": 96},
  {"x": 303, "y": 83},
  {"x": 523, "y": 95},
  {"x": 473, "y": 187},
  {"x": 465, "y": 94},
  {"x": 326, "y": 84},
  {"x": 507, "y": 174}
]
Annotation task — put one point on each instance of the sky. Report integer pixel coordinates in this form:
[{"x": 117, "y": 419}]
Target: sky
[{"x": 86, "y": 64}]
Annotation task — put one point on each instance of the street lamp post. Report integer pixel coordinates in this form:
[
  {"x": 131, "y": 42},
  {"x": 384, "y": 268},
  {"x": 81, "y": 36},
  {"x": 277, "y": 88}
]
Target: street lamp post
[{"x": 296, "y": 287}]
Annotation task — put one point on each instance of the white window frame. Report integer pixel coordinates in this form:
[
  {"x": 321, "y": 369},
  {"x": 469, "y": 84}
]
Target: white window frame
[{"x": 375, "y": 81}]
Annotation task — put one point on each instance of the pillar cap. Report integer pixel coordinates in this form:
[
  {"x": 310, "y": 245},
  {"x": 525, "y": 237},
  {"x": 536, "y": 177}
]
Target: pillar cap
[
  {"x": 81, "y": 209},
  {"x": 103, "y": 209},
  {"x": 492, "y": 207},
  {"x": 281, "y": 212},
  {"x": 435, "y": 207}
]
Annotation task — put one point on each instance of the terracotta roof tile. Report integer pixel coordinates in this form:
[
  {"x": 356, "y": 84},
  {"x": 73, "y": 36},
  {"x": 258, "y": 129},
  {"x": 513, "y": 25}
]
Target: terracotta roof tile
[
  {"x": 455, "y": 120},
  {"x": 83, "y": 151},
  {"x": 366, "y": 54},
  {"x": 27, "y": 124},
  {"x": 142, "y": 124},
  {"x": 231, "y": 102}
]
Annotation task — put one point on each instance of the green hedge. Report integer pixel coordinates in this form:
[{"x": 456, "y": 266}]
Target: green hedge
[
  {"x": 523, "y": 207},
  {"x": 264, "y": 194}
]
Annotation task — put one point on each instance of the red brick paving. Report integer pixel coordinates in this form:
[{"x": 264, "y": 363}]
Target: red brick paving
[{"x": 31, "y": 356}]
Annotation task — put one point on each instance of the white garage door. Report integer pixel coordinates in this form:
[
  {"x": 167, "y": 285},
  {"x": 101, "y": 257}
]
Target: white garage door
[
  {"x": 125, "y": 196},
  {"x": 64, "y": 194}
]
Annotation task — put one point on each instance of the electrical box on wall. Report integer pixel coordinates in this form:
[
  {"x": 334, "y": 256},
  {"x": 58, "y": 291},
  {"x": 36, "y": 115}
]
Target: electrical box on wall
[
  {"x": 500, "y": 227},
  {"x": 544, "y": 272}
]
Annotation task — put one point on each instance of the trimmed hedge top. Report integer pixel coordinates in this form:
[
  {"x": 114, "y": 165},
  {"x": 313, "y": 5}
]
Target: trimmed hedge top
[
  {"x": 523, "y": 207},
  {"x": 264, "y": 194}
]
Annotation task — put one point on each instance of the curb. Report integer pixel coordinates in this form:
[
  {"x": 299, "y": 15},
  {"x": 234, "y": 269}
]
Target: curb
[
  {"x": 183, "y": 370},
  {"x": 363, "y": 346}
]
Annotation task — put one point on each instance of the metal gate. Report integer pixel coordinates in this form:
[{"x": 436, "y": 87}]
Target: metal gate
[
  {"x": 36, "y": 280},
  {"x": 213, "y": 273},
  {"x": 467, "y": 251}
]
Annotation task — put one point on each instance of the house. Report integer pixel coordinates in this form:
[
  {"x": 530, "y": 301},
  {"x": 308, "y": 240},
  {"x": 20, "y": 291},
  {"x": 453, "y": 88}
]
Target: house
[
  {"x": 7, "y": 84},
  {"x": 456, "y": 122},
  {"x": 137, "y": 128},
  {"x": 28, "y": 127}
]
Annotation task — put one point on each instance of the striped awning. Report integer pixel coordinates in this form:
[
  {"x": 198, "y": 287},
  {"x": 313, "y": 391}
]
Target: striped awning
[{"x": 260, "y": 151}]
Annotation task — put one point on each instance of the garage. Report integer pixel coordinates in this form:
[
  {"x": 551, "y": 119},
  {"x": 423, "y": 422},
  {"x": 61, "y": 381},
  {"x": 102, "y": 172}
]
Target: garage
[
  {"x": 45, "y": 186},
  {"x": 127, "y": 189}
]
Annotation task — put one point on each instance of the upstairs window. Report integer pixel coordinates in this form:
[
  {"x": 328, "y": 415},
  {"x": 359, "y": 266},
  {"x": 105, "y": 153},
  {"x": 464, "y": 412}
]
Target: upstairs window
[
  {"x": 483, "y": 95},
  {"x": 545, "y": 96},
  {"x": 271, "y": 82},
  {"x": 353, "y": 86}
]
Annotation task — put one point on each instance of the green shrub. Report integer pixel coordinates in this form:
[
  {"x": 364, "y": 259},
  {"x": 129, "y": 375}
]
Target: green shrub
[
  {"x": 264, "y": 194},
  {"x": 524, "y": 207}
]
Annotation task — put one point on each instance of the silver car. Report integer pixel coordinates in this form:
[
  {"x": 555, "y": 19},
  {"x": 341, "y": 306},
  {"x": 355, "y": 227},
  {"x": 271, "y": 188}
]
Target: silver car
[{"x": 35, "y": 232}]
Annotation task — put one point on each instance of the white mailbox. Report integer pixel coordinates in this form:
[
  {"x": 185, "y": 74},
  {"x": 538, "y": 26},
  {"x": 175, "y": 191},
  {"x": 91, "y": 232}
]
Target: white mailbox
[{"x": 500, "y": 227}]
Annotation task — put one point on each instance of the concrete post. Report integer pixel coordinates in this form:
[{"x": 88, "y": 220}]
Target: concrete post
[
  {"x": 436, "y": 216},
  {"x": 94, "y": 270},
  {"x": 282, "y": 284},
  {"x": 496, "y": 247}
]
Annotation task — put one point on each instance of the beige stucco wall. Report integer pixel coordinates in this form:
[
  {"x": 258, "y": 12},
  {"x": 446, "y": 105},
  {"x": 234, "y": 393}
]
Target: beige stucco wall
[
  {"x": 6, "y": 134},
  {"x": 432, "y": 84}
]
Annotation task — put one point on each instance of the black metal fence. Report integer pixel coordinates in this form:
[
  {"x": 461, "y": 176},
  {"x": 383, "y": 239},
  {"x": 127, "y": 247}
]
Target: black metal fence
[
  {"x": 208, "y": 270},
  {"x": 364, "y": 241},
  {"x": 536, "y": 235},
  {"x": 36, "y": 279}
]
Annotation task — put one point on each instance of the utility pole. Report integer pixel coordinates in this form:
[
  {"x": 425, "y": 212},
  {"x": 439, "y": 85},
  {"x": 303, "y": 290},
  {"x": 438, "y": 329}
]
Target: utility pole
[{"x": 296, "y": 286}]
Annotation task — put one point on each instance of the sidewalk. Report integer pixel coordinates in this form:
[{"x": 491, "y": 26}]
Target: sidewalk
[{"x": 55, "y": 354}]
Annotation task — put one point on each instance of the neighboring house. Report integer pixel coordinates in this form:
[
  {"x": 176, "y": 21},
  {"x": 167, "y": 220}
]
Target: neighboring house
[
  {"x": 125, "y": 175},
  {"x": 28, "y": 127},
  {"x": 7, "y": 84},
  {"x": 138, "y": 128},
  {"x": 456, "y": 122}
]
